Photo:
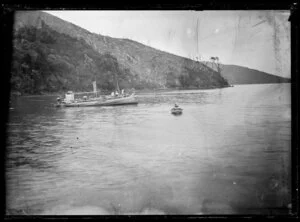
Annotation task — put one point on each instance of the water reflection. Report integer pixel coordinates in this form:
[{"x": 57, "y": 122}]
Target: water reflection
[{"x": 228, "y": 153}]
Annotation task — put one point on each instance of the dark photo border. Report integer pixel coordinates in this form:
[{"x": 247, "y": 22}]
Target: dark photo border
[{"x": 7, "y": 11}]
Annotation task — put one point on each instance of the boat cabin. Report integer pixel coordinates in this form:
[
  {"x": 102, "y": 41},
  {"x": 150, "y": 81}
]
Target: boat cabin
[{"x": 69, "y": 97}]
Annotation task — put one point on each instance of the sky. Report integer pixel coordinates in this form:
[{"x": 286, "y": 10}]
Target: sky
[{"x": 254, "y": 39}]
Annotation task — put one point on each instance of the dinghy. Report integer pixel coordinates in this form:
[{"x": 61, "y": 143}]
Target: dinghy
[{"x": 176, "y": 110}]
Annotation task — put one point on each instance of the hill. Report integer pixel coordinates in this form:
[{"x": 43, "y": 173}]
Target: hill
[
  {"x": 236, "y": 75},
  {"x": 242, "y": 75},
  {"x": 52, "y": 55}
]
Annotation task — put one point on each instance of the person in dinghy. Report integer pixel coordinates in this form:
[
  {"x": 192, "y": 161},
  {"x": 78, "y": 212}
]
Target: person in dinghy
[{"x": 176, "y": 109}]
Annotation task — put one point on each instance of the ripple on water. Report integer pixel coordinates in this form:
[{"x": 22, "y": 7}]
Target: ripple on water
[{"x": 142, "y": 160}]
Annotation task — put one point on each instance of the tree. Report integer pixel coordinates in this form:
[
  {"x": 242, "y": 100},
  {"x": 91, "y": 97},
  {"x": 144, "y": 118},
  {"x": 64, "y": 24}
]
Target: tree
[{"x": 215, "y": 62}]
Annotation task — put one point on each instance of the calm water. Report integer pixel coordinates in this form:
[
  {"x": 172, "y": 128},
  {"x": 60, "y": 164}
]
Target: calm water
[{"x": 229, "y": 152}]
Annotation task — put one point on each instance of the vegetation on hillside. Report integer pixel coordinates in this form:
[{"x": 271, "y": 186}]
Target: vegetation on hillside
[
  {"x": 45, "y": 61},
  {"x": 52, "y": 55},
  {"x": 195, "y": 76}
]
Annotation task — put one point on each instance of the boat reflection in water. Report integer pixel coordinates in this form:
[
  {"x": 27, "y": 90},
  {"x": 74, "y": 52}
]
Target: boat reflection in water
[{"x": 229, "y": 153}]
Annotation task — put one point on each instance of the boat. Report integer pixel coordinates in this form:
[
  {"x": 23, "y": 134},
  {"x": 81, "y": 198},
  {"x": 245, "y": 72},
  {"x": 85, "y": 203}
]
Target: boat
[
  {"x": 100, "y": 101},
  {"x": 96, "y": 100},
  {"x": 176, "y": 110}
]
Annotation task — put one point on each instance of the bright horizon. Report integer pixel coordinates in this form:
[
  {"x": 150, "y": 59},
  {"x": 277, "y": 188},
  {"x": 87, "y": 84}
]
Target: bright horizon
[{"x": 255, "y": 39}]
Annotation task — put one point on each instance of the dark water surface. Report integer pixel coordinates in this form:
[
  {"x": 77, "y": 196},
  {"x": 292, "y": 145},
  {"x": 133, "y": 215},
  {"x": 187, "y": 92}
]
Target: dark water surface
[{"x": 229, "y": 152}]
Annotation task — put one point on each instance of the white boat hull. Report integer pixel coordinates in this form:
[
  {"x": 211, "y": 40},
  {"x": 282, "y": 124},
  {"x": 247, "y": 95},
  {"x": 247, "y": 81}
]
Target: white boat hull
[{"x": 130, "y": 100}]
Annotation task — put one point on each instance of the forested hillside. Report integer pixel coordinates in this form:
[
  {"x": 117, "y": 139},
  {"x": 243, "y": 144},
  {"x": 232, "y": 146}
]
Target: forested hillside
[
  {"x": 47, "y": 61},
  {"x": 52, "y": 55}
]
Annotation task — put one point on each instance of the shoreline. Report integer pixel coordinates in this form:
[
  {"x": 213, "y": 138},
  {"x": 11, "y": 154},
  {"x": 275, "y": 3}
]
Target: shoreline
[{"x": 137, "y": 91}]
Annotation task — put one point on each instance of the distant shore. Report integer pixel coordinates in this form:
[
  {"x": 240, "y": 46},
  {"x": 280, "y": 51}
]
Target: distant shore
[{"x": 137, "y": 91}]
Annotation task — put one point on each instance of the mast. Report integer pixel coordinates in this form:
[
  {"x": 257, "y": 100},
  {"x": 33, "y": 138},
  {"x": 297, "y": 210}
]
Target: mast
[
  {"x": 95, "y": 87},
  {"x": 118, "y": 89},
  {"x": 116, "y": 82},
  {"x": 197, "y": 36}
]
